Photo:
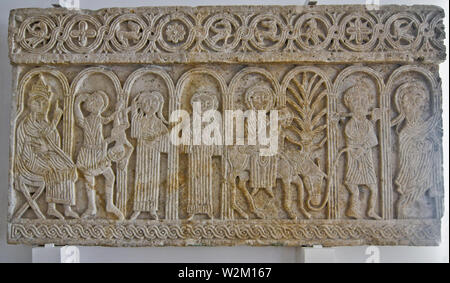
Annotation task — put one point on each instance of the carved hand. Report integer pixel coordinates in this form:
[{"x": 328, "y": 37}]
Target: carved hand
[
  {"x": 40, "y": 147},
  {"x": 81, "y": 98},
  {"x": 45, "y": 132},
  {"x": 57, "y": 114},
  {"x": 375, "y": 115}
]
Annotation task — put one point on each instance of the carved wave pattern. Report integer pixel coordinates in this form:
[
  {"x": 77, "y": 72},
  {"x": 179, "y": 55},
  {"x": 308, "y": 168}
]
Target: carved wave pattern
[
  {"x": 290, "y": 234},
  {"x": 237, "y": 31}
]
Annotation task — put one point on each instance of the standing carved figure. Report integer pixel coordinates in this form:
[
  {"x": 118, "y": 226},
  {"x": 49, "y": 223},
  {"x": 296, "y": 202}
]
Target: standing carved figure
[
  {"x": 92, "y": 158},
  {"x": 360, "y": 138},
  {"x": 148, "y": 126},
  {"x": 40, "y": 159},
  {"x": 263, "y": 169},
  {"x": 418, "y": 144},
  {"x": 200, "y": 183}
]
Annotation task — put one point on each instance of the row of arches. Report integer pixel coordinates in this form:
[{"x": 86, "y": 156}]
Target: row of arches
[{"x": 92, "y": 78}]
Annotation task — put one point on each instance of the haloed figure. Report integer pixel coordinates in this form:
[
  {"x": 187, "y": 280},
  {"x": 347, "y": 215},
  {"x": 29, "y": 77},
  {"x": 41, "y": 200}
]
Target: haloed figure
[
  {"x": 148, "y": 126},
  {"x": 360, "y": 138},
  {"x": 418, "y": 144},
  {"x": 92, "y": 158}
]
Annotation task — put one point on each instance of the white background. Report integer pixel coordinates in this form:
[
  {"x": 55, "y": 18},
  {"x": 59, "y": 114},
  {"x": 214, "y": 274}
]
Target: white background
[{"x": 18, "y": 253}]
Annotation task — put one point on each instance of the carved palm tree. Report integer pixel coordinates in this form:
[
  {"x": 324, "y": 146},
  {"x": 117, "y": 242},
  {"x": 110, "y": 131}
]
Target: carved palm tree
[{"x": 307, "y": 97}]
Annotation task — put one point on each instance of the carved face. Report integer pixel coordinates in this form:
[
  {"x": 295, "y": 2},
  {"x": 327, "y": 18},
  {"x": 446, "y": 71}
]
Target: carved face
[
  {"x": 414, "y": 103},
  {"x": 207, "y": 101},
  {"x": 357, "y": 100},
  {"x": 39, "y": 104},
  {"x": 260, "y": 99},
  {"x": 149, "y": 104},
  {"x": 94, "y": 103}
]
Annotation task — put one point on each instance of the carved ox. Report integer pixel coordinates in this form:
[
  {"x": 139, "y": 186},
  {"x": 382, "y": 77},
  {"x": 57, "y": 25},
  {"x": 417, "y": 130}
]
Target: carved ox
[{"x": 294, "y": 167}]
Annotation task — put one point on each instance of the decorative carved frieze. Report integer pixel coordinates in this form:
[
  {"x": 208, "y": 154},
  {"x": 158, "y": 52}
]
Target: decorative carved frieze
[{"x": 228, "y": 34}]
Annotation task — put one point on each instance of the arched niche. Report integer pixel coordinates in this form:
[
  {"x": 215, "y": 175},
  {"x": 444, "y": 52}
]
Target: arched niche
[
  {"x": 412, "y": 80},
  {"x": 58, "y": 98},
  {"x": 148, "y": 80},
  {"x": 371, "y": 83},
  {"x": 96, "y": 79},
  {"x": 59, "y": 87},
  {"x": 307, "y": 91},
  {"x": 192, "y": 82}
]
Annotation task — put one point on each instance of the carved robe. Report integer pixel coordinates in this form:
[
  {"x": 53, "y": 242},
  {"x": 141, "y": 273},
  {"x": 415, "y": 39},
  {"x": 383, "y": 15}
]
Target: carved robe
[
  {"x": 417, "y": 157},
  {"x": 40, "y": 158},
  {"x": 263, "y": 169},
  {"x": 361, "y": 138},
  {"x": 92, "y": 158},
  {"x": 200, "y": 178},
  {"x": 152, "y": 139}
]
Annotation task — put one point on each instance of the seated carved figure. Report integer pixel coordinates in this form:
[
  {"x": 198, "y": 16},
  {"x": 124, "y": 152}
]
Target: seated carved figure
[{"x": 40, "y": 159}]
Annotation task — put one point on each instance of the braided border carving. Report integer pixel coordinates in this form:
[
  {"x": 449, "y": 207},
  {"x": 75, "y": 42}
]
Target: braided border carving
[{"x": 379, "y": 232}]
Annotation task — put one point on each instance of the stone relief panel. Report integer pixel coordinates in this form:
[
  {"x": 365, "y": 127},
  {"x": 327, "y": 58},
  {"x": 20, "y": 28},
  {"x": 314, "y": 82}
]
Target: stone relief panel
[{"x": 266, "y": 152}]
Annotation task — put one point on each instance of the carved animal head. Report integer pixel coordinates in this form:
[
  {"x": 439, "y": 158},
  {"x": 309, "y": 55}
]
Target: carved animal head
[
  {"x": 312, "y": 23},
  {"x": 133, "y": 26},
  {"x": 304, "y": 165},
  {"x": 39, "y": 29},
  {"x": 268, "y": 23},
  {"x": 223, "y": 24}
]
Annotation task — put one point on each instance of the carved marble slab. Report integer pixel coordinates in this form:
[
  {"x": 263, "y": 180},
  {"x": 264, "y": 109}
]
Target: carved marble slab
[{"x": 357, "y": 94}]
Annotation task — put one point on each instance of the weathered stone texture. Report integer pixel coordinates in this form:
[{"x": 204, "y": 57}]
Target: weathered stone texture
[{"x": 358, "y": 95}]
